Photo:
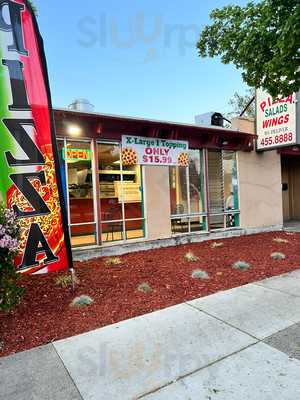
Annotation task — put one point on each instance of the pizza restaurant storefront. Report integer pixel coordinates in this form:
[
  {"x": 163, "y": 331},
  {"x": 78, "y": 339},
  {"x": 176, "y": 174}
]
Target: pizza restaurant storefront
[{"x": 127, "y": 180}]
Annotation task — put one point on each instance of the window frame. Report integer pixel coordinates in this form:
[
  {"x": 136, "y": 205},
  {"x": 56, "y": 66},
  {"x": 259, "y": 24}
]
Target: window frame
[
  {"x": 207, "y": 214},
  {"x": 66, "y": 140},
  {"x": 225, "y": 213},
  {"x": 190, "y": 215},
  {"x": 123, "y": 220}
]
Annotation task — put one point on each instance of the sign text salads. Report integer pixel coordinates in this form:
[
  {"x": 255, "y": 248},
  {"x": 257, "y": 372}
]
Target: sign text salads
[{"x": 276, "y": 121}]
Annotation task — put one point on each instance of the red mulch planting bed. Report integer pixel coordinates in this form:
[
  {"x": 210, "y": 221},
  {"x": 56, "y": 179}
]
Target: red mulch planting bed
[{"x": 45, "y": 314}]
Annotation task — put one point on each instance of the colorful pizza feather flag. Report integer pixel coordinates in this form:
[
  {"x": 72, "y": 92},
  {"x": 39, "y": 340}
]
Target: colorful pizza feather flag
[{"x": 30, "y": 182}]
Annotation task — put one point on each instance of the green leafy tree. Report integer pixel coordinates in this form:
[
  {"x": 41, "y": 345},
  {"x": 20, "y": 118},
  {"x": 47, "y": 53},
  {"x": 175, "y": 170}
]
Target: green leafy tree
[
  {"x": 33, "y": 7},
  {"x": 238, "y": 103},
  {"x": 262, "y": 39}
]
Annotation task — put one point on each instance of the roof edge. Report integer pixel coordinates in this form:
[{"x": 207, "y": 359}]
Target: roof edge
[{"x": 152, "y": 121}]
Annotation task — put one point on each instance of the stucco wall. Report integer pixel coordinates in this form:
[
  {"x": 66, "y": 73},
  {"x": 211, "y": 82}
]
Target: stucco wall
[
  {"x": 260, "y": 188},
  {"x": 244, "y": 124},
  {"x": 157, "y": 202}
]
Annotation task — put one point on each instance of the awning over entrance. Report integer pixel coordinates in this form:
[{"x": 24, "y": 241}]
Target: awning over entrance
[
  {"x": 108, "y": 127},
  {"x": 290, "y": 150}
]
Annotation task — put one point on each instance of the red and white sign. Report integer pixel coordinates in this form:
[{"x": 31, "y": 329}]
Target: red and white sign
[
  {"x": 30, "y": 181},
  {"x": 154, "y": 151},
  {"x": 275, "y": 121}
]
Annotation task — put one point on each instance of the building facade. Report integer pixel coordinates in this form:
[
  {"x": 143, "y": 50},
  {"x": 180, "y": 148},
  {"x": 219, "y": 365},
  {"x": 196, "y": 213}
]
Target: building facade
[{"x": 226, "y": 187}]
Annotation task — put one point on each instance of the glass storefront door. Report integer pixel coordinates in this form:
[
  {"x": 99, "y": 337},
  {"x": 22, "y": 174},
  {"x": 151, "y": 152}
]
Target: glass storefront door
[
  {"x": 121, "y": 196},
  {"x": 115, "y": 213},
  {"x": 77, "y": 175}
]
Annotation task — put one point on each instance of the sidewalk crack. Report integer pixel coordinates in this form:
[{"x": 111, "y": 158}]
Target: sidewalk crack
[
  {"x": 67, "y": 371},
  {"x": 224, "y": 322},
  {"x": 276, "y": 290},
  {"x": 180, "y": 378}
]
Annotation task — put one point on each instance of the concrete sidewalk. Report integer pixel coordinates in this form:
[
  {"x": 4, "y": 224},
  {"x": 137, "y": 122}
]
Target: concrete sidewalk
[{"x": 240, "y": 344}]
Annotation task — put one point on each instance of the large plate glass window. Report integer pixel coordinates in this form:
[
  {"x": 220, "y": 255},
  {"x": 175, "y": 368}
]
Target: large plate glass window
[
  {"x": 223, "y": 189},
  {"x": 187, "y": 196},
  {"x": 121, "y": 196}
]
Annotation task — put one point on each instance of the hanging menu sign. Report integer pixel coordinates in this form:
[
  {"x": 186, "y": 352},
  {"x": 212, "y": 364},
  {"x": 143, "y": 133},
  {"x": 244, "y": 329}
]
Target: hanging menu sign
[{"x": 154, "y": 151}]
